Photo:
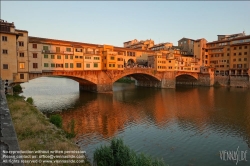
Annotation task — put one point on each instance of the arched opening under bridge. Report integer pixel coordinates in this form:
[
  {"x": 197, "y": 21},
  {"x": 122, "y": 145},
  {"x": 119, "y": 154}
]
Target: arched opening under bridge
[{"x": 186, "y": 79}]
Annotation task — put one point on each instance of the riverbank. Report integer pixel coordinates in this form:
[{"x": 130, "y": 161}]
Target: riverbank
[{"x": 36, "y": 133}]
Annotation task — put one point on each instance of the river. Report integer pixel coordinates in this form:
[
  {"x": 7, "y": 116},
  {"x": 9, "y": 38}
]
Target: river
[{"x": 184, "y": 126}]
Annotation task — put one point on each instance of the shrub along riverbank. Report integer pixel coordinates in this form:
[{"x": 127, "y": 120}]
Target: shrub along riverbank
[{"x": 35, "y": 132}]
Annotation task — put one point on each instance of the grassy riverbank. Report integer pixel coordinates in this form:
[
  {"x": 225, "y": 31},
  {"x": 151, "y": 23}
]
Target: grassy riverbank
[{"x": 34, "y": 131}]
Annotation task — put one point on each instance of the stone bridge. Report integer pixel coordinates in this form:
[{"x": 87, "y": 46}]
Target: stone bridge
[{"x": 102, "y": 81}]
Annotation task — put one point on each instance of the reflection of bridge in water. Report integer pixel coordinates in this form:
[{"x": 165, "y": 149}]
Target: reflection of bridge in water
[
  {"x": 102, "y": 81},
  {"x": 107, "y": 114}
]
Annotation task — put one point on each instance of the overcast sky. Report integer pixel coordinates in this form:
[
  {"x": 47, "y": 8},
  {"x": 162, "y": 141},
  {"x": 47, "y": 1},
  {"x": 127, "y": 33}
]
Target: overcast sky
[{"x": 112, "y": 22}]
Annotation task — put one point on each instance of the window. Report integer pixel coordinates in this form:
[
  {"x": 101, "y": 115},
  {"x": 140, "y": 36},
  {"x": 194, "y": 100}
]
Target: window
[
  {"x": 68, "y": 49},
  {"x": 245, "y": 59},
  {"x": 239, "y": 65},
  {"x": 35, "y": 66},
  {"x": 52, "y": 56},
  {"x": 52, "y": 65},
  {"x": 234, "y": 48},
  {"x": 5, "y": 66},
  {"x": 66, "y": 65},
  {"x": 234, "y": 60},
  {"x": 58, "y": 56},
  {"x": 5, "y": 51},
  {"x": 71, "y": 65},
  {"x": 45, "y": 48},
  {"x": 228, "y": 49},
  {"x": 96, "y": 58},
  {"x": 76, "y": 57},
  {"x": 234, "y": 54},
  {"x": 57, "y": 49},
  {"x": 112, "y": 58},
  {"x": 239, "y": 53},
  {"x": 21, "y": 65},
  {"x": 34, "y": 55},
  {"x": 240, "y": 48},
  {"x": 109, "y": 65},
  {"x": 45, "y": 56},
  {"x": 34, "y": 45},
  {"x": 222, "y": 55},
  {"x": 21, "y": 54},
  {"x": 66, "y": 56},
  {"x": 71, "y": 56},
  {"x": 59, "y": 65},
  {"x": 245, "y": 47},
  {"x": 245, "y": 65},
  {"x": 21, "y": 43},
  {"x": 21, "y": 76},
  {"x": 87, "y": 65},
  {"x": 87, "y": 57},
  {"x": 95, "y": 64},
  {"x": 227, "y": 54},
  {"x": 245, "y": 53},
  {"x": 78, "y": 65},
  {"x": 46, "y": 65},
  {"x": 234, "y": 65},
  {"x": 113, "y": 65},
  {"x": 239, "y": 59},
  {"x": 81, "y": 57},
  {"x": 4, "y": 38}
]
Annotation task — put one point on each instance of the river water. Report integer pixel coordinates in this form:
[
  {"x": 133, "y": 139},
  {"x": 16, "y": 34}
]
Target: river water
[{"x": 184, "y": 126}]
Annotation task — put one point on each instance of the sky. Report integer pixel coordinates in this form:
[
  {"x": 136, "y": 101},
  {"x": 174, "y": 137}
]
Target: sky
[{"x": 115, "y": 22}]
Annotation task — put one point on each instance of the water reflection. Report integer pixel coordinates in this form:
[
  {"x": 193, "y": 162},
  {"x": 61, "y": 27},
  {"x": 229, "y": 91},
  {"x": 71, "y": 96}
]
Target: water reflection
[{"x": 184, "y": 126}]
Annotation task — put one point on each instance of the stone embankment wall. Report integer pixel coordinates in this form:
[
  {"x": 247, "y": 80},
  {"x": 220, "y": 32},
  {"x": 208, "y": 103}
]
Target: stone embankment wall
[
  {"x": 232, "y": 81},
  {"x": 222, "y": 80},
  {"x": 8, "y": 138},
  {"x": 240, "y": 81}
]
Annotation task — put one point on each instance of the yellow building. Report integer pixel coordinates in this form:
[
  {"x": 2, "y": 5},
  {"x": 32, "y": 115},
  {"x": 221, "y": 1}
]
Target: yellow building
[
  {"x": 157, "y": 61},
  {"x": 9, "y": 57},
  {"x": 229, "y": 55}
]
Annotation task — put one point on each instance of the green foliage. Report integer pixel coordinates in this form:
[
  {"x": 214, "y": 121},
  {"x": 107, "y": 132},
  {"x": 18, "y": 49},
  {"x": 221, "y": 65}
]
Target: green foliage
[
  {"x": 71, "y": 127},
  {"x": 56, "y": 120},
  {"x": 30, "y": 100},
  {"x": 118, "y": 154},
  {"x": 17, "y": 89}
]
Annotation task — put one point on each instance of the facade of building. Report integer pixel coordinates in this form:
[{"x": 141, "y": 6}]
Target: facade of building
[
  {"x": 186, "y": 46},
  {"x": 229, "y": 55},
  {"x": 141, "y": 45}
]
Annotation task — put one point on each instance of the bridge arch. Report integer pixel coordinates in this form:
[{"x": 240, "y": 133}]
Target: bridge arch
[
  {"x": 187, "y": 79},
  {"x": 139, "y": 75},
  {"x": 194, "y": 75},
  {"x": 78, "y": 76}
]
